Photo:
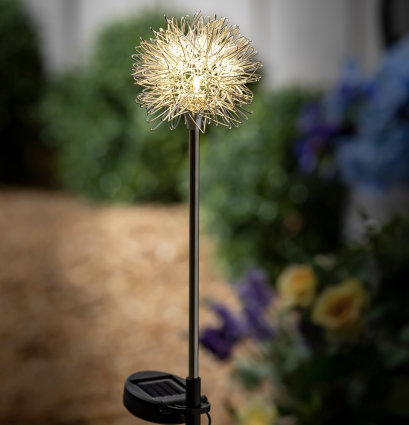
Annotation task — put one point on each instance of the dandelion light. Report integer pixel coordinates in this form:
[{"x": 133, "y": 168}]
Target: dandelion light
[{"x": 197, "y": 68}]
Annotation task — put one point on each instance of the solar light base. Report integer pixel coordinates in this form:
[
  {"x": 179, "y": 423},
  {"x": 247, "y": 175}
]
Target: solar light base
[{"x": 161, "y": 398}]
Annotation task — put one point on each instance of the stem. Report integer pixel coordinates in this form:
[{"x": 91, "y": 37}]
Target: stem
[
  {"x": 193, "y": 391},
  {"x": 193, "y": 252}
]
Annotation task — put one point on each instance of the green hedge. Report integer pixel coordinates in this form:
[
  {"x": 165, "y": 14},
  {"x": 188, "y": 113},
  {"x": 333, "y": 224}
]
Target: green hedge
[
  {"x": 22, "y": 156},
  {"x": 105, "y": 148},
  {"x": 261, "y": 210}
]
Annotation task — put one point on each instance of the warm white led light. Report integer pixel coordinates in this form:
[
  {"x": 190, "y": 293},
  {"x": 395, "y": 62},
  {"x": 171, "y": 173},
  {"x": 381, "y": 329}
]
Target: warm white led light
[{"x": 199, "y": 66}]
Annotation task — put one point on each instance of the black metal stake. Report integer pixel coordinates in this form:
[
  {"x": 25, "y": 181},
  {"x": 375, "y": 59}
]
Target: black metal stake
[
  {"x": 160, "y": 397},
  {"x": 193, "y": 391}
]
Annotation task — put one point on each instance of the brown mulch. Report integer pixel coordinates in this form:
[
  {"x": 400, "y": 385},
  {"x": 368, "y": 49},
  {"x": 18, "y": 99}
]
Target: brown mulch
[{"x": 88, "y": 295}]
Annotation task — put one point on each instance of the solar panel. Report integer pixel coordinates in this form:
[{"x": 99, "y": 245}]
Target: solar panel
[{"x": 161, "y": 388}]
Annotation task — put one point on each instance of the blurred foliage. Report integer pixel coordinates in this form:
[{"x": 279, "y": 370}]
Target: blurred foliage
[
  {"x": 259, "y": 206},
  {"x": 23, "y": 159},
  {"x": 360, "y": 379},
  {"x": 339, "y": 355},
  {"x": 105, "y": 148}
]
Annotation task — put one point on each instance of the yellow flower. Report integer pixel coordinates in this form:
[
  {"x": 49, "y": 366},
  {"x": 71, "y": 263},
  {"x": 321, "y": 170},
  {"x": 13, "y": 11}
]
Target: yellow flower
[
  {"x": 258, "y": 412},
  {"x": 340, "y": 308},
  {"x": 297, "y": 285}
]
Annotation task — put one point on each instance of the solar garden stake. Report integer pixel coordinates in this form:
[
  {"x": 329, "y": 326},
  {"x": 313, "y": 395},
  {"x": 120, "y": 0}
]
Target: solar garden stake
[{"x": 198, "y": 69}]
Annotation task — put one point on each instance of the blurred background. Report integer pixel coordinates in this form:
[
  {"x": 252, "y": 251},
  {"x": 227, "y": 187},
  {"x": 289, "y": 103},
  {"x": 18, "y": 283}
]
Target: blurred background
[{"x": 304, "y": 259}]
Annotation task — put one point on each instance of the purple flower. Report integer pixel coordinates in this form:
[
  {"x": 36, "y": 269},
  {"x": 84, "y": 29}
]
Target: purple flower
[
  {"x": 230, "y": 323},
  {"x": 310, "y": 118},
  {"x": 256, "y": 295},
  {"x": 257, "y": 325},
  {"x": 255, "y": 291},
  {"x": 318, "y": 133},
  {"x": 315, "y": 126},
  {"x": 217, "y": 342},
  {"x": 306, "y": 156},
  {"x": 221, "y": 341}
]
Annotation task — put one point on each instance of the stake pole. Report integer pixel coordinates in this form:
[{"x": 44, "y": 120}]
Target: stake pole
[
  {"x": 194, "y": 184},
  {"x": 193, "y": 390}
]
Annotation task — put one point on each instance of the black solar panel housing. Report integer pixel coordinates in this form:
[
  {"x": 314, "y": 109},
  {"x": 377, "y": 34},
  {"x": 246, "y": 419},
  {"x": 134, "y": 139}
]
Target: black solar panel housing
[
  {"x": 161, "y": 388},
  {"x": 159, "y": 397}
]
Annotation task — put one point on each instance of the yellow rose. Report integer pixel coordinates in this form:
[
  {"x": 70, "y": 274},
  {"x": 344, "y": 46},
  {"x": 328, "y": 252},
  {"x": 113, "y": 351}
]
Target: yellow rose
[
  {"x": 340, "y": 308},
  {"x": 258, "y": 412},
  {"x": 297, "y": 285}
]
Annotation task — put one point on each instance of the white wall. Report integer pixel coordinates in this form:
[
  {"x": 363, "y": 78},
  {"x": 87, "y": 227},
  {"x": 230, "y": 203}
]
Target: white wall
[
  {"x": 311, "y": 38},
  {"x": 48, "y": 16},
  {"x": 302, "y": 41}
]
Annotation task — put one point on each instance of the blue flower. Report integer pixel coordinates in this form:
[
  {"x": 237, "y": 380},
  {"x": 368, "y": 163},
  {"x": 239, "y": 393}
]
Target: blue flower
[
  {"x": 390, "y": 91},
  {"x": 389, "y": 97},
  {"x": 377, "y": 155},
  {"x": 221, "y": 341},
  {"x": 396, "y": 60},
  {"x": 375, "y": 161},
  {"x": 348, "y": 94}
]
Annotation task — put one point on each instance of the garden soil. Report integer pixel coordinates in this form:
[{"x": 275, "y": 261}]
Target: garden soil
[{"x": 90, "y": 294}]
